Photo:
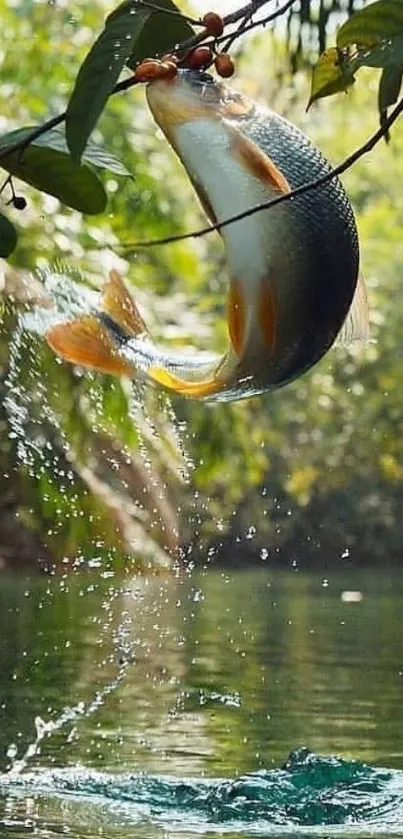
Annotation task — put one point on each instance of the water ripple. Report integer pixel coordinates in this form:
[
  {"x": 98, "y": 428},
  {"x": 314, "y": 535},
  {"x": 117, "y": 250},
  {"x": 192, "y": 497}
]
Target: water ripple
[{"x": 342, "y": 796}]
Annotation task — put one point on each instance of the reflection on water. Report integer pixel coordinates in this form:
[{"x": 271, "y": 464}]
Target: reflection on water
[{"x": 204, "y": 675}]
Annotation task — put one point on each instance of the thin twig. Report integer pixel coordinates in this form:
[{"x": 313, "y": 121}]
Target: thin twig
[
  {"x": 286, "y": 196},
  {"x": 240, "y": 29},
  {"x": 6, "y": 183},
  {"x": 261, "y": 22}
]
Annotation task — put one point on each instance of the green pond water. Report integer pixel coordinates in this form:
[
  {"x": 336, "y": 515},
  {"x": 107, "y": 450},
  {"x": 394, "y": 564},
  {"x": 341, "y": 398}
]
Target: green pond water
[{"x": 168, "y": 707}]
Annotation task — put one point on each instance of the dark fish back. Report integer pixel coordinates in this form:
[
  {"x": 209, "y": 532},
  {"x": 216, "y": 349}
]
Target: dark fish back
[{"x": 326, "y": 228}]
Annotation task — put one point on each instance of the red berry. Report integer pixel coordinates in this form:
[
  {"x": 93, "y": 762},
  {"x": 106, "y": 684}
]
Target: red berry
[
  {"x": 198, "y": 58},
  {"x": 147, "y": 70},
  {"x": 167, "y": 70},
  {"x": 224, "y": 65},
  {"x": 214, "y": 24}
]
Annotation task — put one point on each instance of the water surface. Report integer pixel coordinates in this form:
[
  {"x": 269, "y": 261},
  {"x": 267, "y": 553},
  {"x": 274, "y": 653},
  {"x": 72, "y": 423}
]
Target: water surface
[{"x": 169, "y": 706}]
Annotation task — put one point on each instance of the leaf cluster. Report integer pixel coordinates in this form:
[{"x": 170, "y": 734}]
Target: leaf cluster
[
  {"x": 372, "y": 37},
  {"x": 63, "y": 163}
]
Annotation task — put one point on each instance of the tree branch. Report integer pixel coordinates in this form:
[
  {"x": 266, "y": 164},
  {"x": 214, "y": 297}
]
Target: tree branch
[
  {"x": 287, "y": 196},
  {"x": 247, "y": 10}
]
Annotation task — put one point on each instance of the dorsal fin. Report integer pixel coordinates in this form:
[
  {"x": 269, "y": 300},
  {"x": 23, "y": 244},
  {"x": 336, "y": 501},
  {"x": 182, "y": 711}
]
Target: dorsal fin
[{"x": 120, "y": 306}]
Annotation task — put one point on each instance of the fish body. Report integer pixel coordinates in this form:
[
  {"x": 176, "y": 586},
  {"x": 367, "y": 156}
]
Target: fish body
[{"x": 293, "y": 269}]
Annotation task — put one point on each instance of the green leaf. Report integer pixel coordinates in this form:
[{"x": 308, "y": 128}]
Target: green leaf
[
  {"x": 50, "y": 169},
  {"x": 8, "y": 236},
  {"x": 389, "y": 86},
  {"x": 102, "y": 159},
  {"x": 331, "y": 74},
  {"x": 55, "y": 139},
  {"x": 160, "y": 33},
  {"x": 384, "y": 54},
  {"x": 373, "y": 24},
  {"x": 100, "y": 72}
]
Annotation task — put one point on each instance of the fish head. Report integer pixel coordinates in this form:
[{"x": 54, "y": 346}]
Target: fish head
[{"x": 192, "y": 95}]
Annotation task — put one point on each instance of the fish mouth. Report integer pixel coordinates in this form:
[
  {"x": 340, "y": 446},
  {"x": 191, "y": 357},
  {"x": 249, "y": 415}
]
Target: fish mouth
[
  {"x": 192, "y": 95},
  {"x": 189, "y": 96}
]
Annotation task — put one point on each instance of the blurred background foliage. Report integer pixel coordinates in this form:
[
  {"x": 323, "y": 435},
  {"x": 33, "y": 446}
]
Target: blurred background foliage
[{"x": 92, "y": 467}]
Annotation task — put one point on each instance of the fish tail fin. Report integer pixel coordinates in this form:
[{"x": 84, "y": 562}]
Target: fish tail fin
[
  {"x": 87, "y": 342},
  {"x": 90, "y": 341}
]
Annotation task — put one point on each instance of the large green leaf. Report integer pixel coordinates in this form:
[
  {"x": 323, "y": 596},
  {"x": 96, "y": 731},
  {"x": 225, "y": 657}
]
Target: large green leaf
[
  {"x": 50, "y": 169},
  {"x": 330, "y": 75},
  {"x": 8, "y": 236},
  {"x": 373, "y": 24},
  {"x": 161, "y": 32},
  {"x": 337, "y": 66},
  {"x": 100, "y": 72},
  {"x": 55, "y": 139},
  {"x": 389, "y": 86}
]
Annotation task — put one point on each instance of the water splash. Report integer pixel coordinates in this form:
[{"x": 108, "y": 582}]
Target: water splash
[{"x": 326, "y": 794}]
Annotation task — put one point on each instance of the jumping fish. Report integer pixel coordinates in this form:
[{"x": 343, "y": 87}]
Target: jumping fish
[{"x": 294, "y": 282}]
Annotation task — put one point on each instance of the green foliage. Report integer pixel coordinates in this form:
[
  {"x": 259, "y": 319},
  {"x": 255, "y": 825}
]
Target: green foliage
[
  {"x": 375, "y": 24},
  {"x": 100, "y": 72},
  {"x": 47, "y": 166},
  {"x": 131, "y": 33},
  {"x": 372, "y": 37},
  {"x": 330, "y": 75},
  {"x": 50, "y": 164}
]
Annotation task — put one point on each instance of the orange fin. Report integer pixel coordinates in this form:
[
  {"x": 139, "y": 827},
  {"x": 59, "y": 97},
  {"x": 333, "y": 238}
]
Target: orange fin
[
  {"x": 120, "y": 306},
  {"x": 267, "y": 314},
  {"x": 259, "y": 164},
  {"x": 86, "y": 341},
  {"x": 198, "y": 390},
  {"x": 236, "y": 316}
]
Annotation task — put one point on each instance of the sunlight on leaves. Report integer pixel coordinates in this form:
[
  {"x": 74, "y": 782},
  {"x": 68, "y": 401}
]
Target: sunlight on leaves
[
  {"x": 372, "y": 37},
  {"x": 330, "y": 75},
  {"x": 368, "y": 27}
]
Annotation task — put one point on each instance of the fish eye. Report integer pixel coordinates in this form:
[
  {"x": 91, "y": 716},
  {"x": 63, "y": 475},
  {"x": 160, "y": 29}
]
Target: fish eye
[
  {"x": 203, "y": 83},
  {"x": 196, "y": 78},
  {"x": 206, "y": 78}
]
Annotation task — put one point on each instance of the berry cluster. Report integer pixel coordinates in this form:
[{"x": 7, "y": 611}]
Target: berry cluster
[{"x": 196, "y": 58}]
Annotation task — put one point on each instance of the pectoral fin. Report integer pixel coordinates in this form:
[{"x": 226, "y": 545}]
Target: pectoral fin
[
  {"x": 236, "y": 316},
  {"x": 259, "y": 164},
  {"x": 267, "y": 314},
  {"x": 86, "y": 342}
]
